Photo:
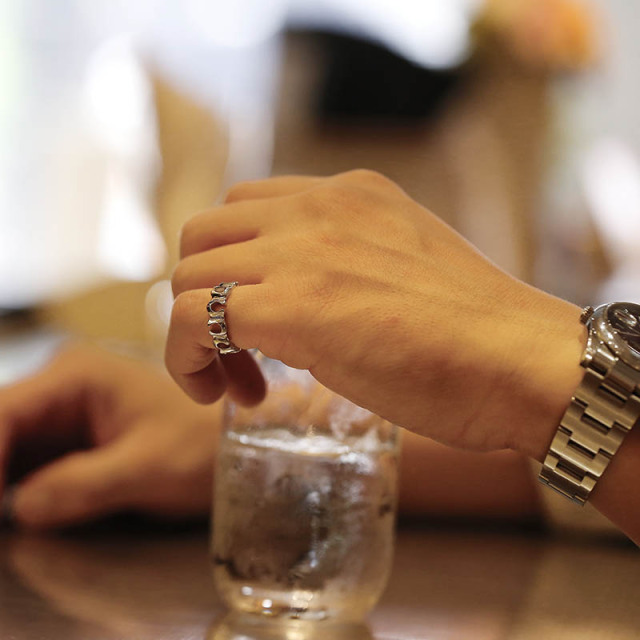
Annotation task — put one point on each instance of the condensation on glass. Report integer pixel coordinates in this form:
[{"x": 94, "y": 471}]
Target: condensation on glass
[{"x": 305, "y": 503}]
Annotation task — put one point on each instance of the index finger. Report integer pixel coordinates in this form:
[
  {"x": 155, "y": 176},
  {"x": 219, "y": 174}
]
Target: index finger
[
  {"x": 195, "y": 364},
  {"x": 209, "y": 229}
]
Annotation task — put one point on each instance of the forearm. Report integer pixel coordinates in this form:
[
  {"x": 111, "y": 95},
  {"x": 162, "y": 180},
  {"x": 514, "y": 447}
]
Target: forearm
[
  {"x": 440, "y": 481},
  {"x": 531, "y": 403}
]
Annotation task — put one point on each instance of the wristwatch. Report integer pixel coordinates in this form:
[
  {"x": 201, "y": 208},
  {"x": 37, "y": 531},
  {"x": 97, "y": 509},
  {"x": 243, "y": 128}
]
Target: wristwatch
[{"x": 604, "y": 407}]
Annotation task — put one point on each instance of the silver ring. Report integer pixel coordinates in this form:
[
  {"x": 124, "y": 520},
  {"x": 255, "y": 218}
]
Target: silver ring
[{"x": 217, "y": 322}]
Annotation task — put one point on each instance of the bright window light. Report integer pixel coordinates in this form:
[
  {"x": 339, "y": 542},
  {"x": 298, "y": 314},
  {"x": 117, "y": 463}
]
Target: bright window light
[
  {"x": 611, "y": 182},
  {"x": 236, "y": 23},
  {"x": 121, "y": 118}
]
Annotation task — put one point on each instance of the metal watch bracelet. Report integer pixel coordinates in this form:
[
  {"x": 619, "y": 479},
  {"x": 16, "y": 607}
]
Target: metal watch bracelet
[{"x": 603, "y": 410}]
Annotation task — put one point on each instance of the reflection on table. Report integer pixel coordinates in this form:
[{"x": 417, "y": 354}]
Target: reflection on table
[{"x": 146, "y": 582}]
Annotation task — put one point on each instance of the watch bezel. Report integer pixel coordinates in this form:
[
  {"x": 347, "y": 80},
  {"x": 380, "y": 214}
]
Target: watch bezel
[{"x": 609, "y": 336}]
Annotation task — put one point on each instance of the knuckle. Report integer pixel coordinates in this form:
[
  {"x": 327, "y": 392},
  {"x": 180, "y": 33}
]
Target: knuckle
[
  {"x": 78, "y": 360},
  {"x": 178, "y": 278},
  {"x": 239, "y": 191},
  {"x": 187, "y": 236},
  {"x": 321, "y": 286},
  {"x": 191, "y": 233},
  {"x": 183, "y": 305},
  {"x": 184, "y": 276},
  {"x": 335, "y": 196},
  {"x": 339, "y": 203},
  {"x": 368, "y": 177}
]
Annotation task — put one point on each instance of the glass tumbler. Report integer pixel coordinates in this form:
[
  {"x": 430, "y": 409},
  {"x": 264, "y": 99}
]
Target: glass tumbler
[{"x": 305, "y": 503}]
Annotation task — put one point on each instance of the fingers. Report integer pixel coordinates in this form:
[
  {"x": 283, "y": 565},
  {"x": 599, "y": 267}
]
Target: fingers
[
  {"x": 25, "y": 402},
  {"x": 237, "y": 373},
  {"x": 193, "y": 361},
  {"x": 249, "y": 240},
  {"x": 78, "y": 487},
  {"x": 237, "y": 220},
  {"x": 271, "y": 188},
  {"x": 44, "y": 414},
  {"x": 245, "y": 382},
  {"x": 281, "y": 186},
  {"x": 219, "y": 226},
  {"x": 223, "y": 264},
  {"x": 252, "y": 208},
  {"x": 189, "y": 347}
]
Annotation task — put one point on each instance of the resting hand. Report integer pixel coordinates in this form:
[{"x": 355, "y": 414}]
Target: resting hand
[
  {"x": 384, "y": 303},
  {"x": 94, "y": 433}
]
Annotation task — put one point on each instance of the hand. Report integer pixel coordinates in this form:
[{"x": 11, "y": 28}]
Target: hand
[
  {"x": 384, "y": 304},
  {"x": 97, "y": 433}
]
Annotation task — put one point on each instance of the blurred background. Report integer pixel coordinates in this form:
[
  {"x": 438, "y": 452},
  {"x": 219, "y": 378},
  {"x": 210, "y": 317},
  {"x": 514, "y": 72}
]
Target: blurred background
[{"x": 516, "y": 121}]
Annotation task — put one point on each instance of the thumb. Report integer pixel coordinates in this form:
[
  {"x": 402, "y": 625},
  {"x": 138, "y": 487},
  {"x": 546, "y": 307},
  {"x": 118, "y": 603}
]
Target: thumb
[{"x": 80, "y": 486}]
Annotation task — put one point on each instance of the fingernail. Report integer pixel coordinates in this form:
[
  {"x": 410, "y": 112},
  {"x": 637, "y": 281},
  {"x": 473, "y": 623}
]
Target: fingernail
[{"x": 32, "y": 507}]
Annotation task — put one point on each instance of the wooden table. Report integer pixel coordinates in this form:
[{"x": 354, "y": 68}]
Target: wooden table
[
  {"x": 447, "y": 583},
  {"x": 138, "y": 582}
]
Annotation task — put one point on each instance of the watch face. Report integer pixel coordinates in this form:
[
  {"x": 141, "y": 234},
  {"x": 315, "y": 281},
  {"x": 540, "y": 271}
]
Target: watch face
[{"x": 624, "y": 317}]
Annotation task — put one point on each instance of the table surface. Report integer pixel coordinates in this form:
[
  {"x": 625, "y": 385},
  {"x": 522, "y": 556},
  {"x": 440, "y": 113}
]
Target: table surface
[
  {"x": 133, "y": 581},
  {"x": 455, "y": 583}
]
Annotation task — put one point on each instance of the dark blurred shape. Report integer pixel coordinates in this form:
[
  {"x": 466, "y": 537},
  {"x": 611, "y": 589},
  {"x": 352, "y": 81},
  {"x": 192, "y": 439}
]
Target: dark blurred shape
[
  {"x": 363, "y": 80},
  {"x": 19, "y": 316}
]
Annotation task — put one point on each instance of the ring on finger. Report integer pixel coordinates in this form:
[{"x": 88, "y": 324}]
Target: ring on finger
[{"x": 217, "y": 323}]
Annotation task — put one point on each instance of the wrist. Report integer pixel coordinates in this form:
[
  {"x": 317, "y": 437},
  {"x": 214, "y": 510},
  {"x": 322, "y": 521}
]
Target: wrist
[
  {"x": 548, "y": 374},
  {"x": 605, "y": 406}
]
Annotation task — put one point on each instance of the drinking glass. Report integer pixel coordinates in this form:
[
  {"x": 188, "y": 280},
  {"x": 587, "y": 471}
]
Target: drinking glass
[
  {"x": 305, "y": 503},
  {"x": 239, "y": 626}
]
